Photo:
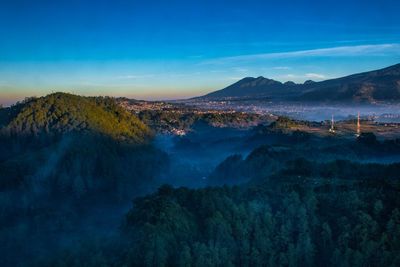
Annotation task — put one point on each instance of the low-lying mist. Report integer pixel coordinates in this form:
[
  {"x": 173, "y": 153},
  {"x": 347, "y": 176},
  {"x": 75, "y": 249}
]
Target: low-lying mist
[
  {"x": 314, "y": 112},
  {"x": 58, "y": 193}
]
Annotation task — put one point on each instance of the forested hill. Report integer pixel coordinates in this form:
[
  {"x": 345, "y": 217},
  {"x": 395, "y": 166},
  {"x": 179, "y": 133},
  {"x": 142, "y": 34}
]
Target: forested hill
[
  {"x": 63, "y": 158},
  {"x": 60, "y": 113}
]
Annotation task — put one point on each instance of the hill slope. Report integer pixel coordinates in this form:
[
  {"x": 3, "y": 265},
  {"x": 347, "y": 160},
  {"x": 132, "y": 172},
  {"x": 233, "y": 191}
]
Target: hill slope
[
  {"x": 374, "y": 86},
  {"x": 61, "y": 113},
  {"x": 63, "y": 159}
]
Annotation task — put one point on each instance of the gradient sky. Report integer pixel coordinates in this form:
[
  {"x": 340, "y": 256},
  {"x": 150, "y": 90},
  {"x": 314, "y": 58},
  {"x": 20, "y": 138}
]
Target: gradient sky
[{"x": 174, "y": 49}]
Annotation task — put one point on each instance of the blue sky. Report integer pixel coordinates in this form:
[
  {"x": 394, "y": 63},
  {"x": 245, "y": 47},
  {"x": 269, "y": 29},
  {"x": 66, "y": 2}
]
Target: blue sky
[{"x": 174, "y": 49}]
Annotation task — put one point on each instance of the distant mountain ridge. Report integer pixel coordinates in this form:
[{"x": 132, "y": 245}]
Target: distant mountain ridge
[{"x": 381, "y": 85}]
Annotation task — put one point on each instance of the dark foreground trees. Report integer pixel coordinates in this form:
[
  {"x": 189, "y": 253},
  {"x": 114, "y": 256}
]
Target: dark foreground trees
[
  {"x": 281, "y": 225},
  {"x": 64, "y": 185}
]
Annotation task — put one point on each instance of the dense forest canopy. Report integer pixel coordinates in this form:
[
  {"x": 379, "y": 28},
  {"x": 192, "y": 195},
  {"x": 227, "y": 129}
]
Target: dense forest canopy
[
  {"x": 63, "y": 157},
  {"x": 165, "y": 121},
  {"x": 278, "y": 222},
  {"x": 70, "y": 167},
  {"x": 62, "y": 113}
]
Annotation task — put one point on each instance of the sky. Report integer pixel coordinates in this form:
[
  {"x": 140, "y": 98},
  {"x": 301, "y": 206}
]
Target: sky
[{"x": 177, "y": 49}]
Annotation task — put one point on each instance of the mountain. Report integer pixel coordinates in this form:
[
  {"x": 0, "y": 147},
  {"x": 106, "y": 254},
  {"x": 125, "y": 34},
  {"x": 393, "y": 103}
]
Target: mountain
[
  {"x": 252, "y": 87},
  {"x": 374, "y": 86},
  {"x": 368, "y": 87},
  {"x": 61, "y": 113}
]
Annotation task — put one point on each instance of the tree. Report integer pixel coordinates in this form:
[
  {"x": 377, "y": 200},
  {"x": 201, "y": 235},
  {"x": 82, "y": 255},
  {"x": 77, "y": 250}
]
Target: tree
[{"x": 185, "y": 257}]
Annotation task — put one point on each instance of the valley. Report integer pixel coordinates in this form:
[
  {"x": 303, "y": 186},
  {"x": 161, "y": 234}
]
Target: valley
[
  {"x": 71, "y": 165},
  {"x": 199, "y": 133}
]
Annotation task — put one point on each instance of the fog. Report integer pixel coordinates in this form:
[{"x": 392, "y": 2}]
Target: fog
[
  {"x": 85, "y": 186},
  {"x": 312, "y": 111},
  {"x": 194, "y": 156}
]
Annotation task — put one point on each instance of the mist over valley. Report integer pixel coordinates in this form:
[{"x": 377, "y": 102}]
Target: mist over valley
[{"x": 199, "y": 133}]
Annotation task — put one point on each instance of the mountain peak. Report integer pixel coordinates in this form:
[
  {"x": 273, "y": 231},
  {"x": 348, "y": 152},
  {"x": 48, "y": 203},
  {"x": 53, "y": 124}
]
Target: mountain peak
[
  {"x": 373, "y": 86},
  {"x": 289, "y": 83},
  {"x": 309, "y": 82}
]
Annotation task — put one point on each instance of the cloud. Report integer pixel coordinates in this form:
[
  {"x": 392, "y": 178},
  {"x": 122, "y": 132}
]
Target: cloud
[
  {"x": 339, "y": 51},
  {"x": 315, "y": 76},
  {"x": 301, "y": 77},
  {"x": 281, "y": 68},
  {"x": 130, "y": 77}
]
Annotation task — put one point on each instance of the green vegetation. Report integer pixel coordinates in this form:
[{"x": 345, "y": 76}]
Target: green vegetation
[
  {"x": 166, "y": 121},
  {"x": 286, "y": 225},
  {"x": 63, "y": 113},
  {"x": 62, "y": 157},
  {"x": 285, "y": 124},
  {"x": 70, "y": 167},
  {"x": 267, "y": 161},
  {"x": 279, "y": 221}
]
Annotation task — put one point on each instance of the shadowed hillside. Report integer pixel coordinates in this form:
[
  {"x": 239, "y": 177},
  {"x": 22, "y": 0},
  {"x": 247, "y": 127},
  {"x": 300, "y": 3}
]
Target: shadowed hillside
[
  {"x": 285, "y": 193},
  {"x": 62, "y": 158},
  {"x": 368, "y": 87}
]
